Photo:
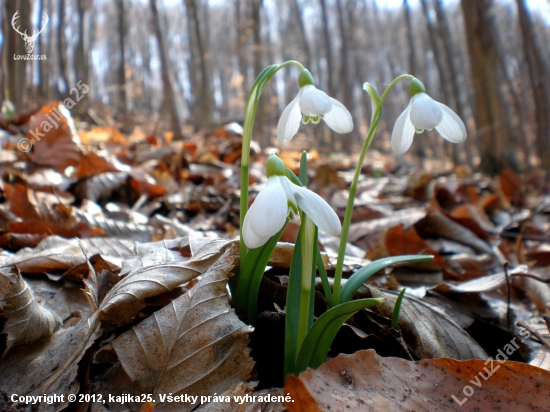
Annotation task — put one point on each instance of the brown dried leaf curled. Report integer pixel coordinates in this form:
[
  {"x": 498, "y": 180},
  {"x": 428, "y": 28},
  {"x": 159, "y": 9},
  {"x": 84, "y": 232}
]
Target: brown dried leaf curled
[
  {"x": 195, "y": 346},
  {"x": 27, "y": 321}
]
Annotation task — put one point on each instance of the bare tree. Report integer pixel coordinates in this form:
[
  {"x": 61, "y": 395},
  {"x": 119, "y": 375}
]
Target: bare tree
[
  {"x": 540, "y": 82},
  {"x": 413, "y": 67},
  {"x": 346, "y": 70},
  {"x": 121, "y": 71},
  {"x": 81, "y": 55},
  {"x": 40, "y": 80},
  {"x": 297, "y": 17},
  {"x": 201, "y": 67},
  {"x": 497, "y": 149},
  {"x": 170, "y": 103},
  {"x": 329, "y": 53},
  {"x": 63, "y": 84}
]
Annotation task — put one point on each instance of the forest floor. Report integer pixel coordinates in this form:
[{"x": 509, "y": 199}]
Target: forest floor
[{"x": 117, "y": 250}]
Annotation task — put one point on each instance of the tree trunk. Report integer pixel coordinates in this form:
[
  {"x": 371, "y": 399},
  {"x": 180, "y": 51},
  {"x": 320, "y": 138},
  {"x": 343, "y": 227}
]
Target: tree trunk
[
  {"x": 170, "y": 103},
  {"x": 296, "y": 16},
  {"x": 63, "y": 88},
  {"x": 496, "y": 145},
  {"x": 539, "y": 71},
  {"x": 413, "y": 66},
  {"x": 255, "y": 7},
  {"x": 329, "y": 53},
  {"x": 241, "y": 25},
  {"x": 346, "y": 74},
  {"x": 455, "y": 101},
  {"x": 203, "y": 93},
  {"x": 121, "y": 69},
  {"x": 81, "y": 57},
  {"x": 39, "y": 78}
]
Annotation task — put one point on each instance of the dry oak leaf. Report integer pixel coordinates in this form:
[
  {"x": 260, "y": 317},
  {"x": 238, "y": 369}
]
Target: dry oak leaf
[
  {"x": 427, "y": 330},
  {"x": 365, "y": 381},
  {"x": 195, "y": 346},
  {"x": 27, "y": 321}
]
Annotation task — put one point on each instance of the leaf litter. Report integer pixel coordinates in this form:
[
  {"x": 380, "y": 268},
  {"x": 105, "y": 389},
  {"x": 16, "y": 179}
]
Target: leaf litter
[{"x": 117, "y": 251}]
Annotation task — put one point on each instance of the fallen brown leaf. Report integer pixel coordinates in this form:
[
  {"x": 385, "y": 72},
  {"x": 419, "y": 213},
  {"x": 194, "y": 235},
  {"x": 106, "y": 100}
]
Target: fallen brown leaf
[
  {"x": 27, "y": 321},
  {"x": 302, "y": 401},
  {"x": 428, "y": 332},
  {"x": 196, "y": 346},
  {"x": 59, "y": 145},
  {"x": 366, "y": 382}
]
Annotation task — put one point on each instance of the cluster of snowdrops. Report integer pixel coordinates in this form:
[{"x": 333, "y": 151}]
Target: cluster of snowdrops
[{"x": 286, "y": 196}]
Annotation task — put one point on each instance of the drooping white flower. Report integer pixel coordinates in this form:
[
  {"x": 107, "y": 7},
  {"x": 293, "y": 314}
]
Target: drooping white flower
[
  {"x": 277, "y": 200},
  {"x": 424, "y": 113},
  {"x": 312, "y": 105}
]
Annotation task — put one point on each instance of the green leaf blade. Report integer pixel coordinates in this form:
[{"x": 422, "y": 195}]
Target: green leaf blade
[{"x": 358, "y": 278}]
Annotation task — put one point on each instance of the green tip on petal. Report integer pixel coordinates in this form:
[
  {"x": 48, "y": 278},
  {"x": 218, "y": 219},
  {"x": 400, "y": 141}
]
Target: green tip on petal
[
  {"x": 305, "y": 78},
  {"x": 416, "y": 86},
  {"x": 275, "y": 166}
]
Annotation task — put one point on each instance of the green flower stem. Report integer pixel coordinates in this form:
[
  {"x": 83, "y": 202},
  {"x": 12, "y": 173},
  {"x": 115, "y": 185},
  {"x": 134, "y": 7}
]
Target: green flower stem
[
  {"x": 309, "y": 264},
  {"x": 250, "y": 113},
  {"x": 375, "y": 120}
]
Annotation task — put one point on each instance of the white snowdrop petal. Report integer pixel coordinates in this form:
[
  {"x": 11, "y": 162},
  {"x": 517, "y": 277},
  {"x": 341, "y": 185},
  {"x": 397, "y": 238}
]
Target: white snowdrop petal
[
  {"x": 289, "y": 191},
  {"x": 403, "y": 133},
  {"x": 425, "y": 112},
  {"x": 251, "y": 240},
  {"x": 269, "y": 211},
  {"x": 339, "y": 118},
  {"x": 451, "y": 127},
  {"x": 314, "y": 102},
  {"x": 289, "y": 122},
  {"x": 318, "y": 210}
]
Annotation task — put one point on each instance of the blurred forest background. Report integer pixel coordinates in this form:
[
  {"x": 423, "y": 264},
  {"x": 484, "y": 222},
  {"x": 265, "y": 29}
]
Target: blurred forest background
[{"x": 163, "y": 65}]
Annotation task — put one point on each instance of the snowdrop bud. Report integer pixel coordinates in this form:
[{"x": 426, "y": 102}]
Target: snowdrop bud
[
  {"x": 305, "y": 78},
  {"x": 416, "y": 86},
  {"x": 275, "y": 166},
  {"x": 374, "y": 95}
]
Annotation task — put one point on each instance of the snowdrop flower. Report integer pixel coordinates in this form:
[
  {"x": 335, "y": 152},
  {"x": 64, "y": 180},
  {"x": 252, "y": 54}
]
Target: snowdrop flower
[
  {"x": 424, "y": 113},
  {"x": 277, "y": 201},
  {"x": 312, "y": 105}
]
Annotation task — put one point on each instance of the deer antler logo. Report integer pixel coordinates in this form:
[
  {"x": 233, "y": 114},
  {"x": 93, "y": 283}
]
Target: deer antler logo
[{"x": 29, "y": 40}]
